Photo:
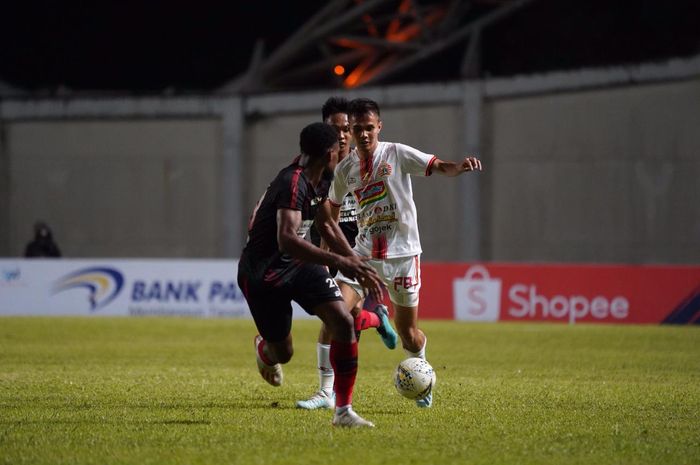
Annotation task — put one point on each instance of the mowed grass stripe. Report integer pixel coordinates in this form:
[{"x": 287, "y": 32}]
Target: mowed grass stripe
[{"x": 152, "y": 391}]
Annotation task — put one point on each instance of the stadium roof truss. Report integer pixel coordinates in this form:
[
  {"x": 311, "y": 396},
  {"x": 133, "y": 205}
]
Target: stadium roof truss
[{"x": 361, "y": 42}]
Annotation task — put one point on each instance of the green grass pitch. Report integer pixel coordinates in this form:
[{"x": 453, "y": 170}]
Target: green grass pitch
[{"x": 186, "y": 391}]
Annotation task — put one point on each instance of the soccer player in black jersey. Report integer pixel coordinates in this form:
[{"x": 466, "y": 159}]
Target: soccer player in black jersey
[
  {"x": 335, "y": 113},
  {"x": 277, "y": 266}
]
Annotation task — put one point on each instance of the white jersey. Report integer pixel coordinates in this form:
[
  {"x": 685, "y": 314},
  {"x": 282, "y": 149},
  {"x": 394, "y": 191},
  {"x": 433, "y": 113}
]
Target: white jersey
[{"x": 386, "y": 214}]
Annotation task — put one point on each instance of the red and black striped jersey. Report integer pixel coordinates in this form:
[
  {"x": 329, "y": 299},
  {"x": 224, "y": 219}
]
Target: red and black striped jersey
[{"x": 290, "y": 189}]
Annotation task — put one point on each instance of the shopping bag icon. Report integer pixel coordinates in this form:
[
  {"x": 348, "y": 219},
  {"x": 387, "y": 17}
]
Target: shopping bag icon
[{"x": 477, "y": 297}]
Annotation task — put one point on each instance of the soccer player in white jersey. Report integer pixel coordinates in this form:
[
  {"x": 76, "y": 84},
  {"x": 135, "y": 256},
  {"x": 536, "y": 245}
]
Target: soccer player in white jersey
[
  {"x": 378, "y": 175},
  {"x": 335, "y": 113}
]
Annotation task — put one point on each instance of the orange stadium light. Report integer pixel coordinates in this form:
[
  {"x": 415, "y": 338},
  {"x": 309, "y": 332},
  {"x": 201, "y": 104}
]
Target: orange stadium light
[{"x": 339, "y": 70}]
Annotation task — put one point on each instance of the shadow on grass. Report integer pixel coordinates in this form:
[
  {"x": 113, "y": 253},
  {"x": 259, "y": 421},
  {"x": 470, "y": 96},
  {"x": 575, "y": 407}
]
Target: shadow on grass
[
  {"x": 243, "y": 404},
  {"x": 103, "y": 422}
]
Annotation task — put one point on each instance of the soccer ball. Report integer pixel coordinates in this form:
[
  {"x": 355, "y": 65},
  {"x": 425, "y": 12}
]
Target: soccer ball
[{"x": 414, "y": 378}]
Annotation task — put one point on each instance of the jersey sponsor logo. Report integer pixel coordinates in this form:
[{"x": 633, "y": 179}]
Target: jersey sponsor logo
[
  {"x": 378, "y": 214},
  {"x": 388, "y": 217},
  {"x": 348, "y": 202},
  {"x": 348, "y": 210},
  {"x": 365, "y": 216},
  {"x": 347, "y": 216},
  {"x": 371, "y": 193},
  {"x": 380, "y": 229},
  {"x": 384, "y": 170},
  {"x": 316, "y": 200}
]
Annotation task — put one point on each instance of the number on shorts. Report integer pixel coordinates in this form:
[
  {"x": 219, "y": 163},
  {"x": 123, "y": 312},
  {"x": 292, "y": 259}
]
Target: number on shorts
[{"x": 404, "y": 281}]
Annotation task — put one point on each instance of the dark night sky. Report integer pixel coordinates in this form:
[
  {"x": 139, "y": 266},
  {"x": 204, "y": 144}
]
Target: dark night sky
[
  {"x": 150, "y": 45},
  {"x": 138, "y": 45}
]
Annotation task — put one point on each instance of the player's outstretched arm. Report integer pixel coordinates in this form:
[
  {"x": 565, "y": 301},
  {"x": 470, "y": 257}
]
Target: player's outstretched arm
[{"x": 451, "y": 168}]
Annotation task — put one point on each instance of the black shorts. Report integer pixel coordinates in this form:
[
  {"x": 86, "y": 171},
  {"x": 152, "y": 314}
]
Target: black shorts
[
  {"x": 349, "y": 229},
  {"x": 270, "y": 303}
]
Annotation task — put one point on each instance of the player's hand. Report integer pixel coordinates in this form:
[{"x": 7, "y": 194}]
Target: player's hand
[
  {"x": 373, "y": 284},
  {"x": 356, "y": 267},
  {"x": 470, "y": 164}
]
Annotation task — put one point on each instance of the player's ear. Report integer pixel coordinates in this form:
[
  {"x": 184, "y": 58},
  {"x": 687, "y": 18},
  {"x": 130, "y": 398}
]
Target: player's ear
[{"x": 379, "y": 126}]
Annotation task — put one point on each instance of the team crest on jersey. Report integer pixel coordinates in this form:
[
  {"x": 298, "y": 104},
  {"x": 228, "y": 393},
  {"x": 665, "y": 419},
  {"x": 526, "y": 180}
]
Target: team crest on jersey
[
  {"x": 384, "y": 170},
  {"x": 370, "y": 193}
]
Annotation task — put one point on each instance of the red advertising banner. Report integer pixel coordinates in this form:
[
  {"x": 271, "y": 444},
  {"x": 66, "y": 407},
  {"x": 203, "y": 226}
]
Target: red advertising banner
[{"x": 561, "y": 293}]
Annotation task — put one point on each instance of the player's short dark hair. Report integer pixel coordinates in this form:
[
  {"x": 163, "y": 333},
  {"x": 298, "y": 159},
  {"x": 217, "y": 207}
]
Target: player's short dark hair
[
  {"x": 334, "y": 105},
  {"x": 362, "y": 106},
  {"x": 316, "y": 138}
]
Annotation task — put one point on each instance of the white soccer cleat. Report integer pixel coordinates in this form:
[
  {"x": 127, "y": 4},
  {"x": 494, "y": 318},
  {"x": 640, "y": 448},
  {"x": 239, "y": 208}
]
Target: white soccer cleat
[
  {"x": 270, "y": 373},
  {"x": 318, "y": 400},
  {"x": 349, "y": 419}
]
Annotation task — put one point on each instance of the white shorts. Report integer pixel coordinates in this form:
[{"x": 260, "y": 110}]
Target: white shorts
[{"x": 401, "y": 276}]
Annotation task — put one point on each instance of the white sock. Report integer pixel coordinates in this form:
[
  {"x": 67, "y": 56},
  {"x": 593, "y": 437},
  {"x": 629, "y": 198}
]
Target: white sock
[
  {"x": 420, "y": 353},
  {"x": 325, "y": 370}
]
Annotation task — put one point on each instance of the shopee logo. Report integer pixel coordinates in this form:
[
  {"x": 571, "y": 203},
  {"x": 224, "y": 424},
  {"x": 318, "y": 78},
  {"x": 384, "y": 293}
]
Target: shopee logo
[
  {"x": 477, "y": 296},
  {"x": 528, "y": 303}
]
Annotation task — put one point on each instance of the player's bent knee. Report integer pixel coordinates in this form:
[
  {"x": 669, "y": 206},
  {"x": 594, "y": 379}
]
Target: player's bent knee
[
  {"x": 339, "y": 322},
  {"x": 355, "y": 311}
]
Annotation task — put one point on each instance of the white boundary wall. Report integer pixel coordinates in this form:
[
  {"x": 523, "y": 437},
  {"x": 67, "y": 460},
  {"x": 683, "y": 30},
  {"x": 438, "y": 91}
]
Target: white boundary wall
[{"x": 237, "y": 114}]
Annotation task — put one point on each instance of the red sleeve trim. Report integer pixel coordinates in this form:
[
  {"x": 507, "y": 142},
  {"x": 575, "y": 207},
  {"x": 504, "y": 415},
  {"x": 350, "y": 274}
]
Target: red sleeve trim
[
  {"x": 429, "y": 168},
  {"x": 295, "y": 188}
]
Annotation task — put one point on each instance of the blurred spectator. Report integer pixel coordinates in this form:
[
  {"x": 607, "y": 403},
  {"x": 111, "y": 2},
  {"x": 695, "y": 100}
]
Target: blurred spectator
[{"x": 43, "y": 244}]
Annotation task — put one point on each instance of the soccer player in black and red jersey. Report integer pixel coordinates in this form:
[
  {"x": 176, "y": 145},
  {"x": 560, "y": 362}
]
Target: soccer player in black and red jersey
[
  {"x": 335, "y": 113},
  {"x": 277, "y": 266}
]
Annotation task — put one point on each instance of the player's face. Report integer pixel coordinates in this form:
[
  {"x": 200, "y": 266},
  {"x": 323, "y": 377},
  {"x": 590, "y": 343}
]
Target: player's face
[
  {"x": 340, "y": 122},
  {"x": 333, "y": 158},
  {"x": 365, "y": 129}
]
